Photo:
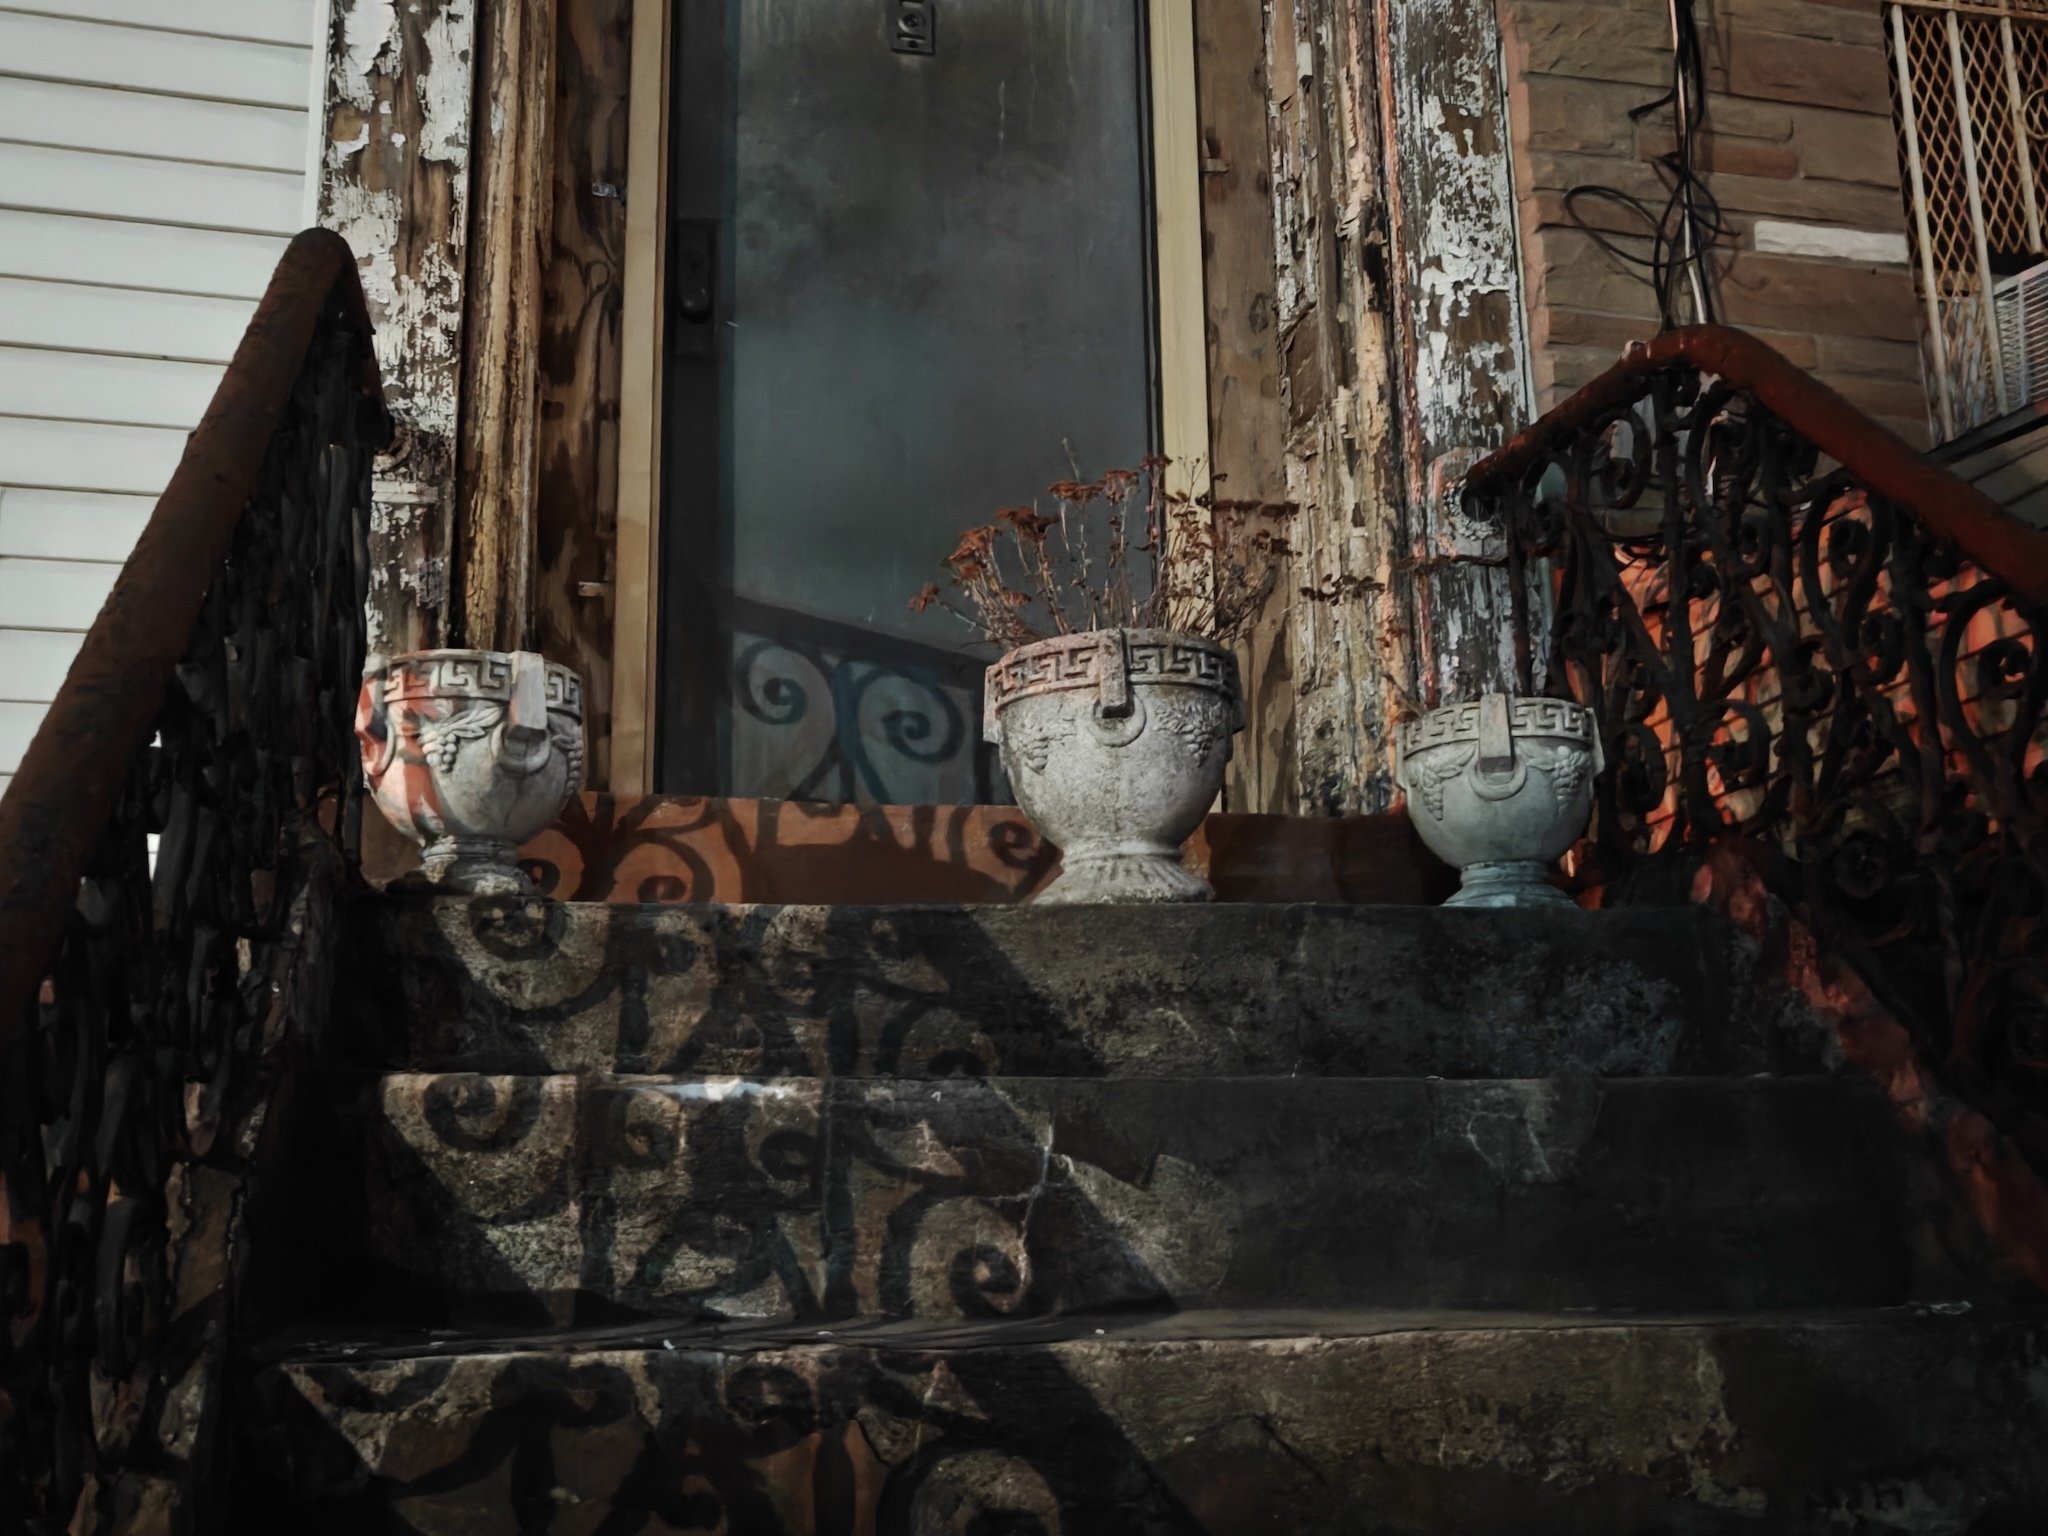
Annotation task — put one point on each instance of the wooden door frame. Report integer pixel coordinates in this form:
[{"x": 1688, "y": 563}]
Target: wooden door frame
[{"x": 1182, "y": 332}]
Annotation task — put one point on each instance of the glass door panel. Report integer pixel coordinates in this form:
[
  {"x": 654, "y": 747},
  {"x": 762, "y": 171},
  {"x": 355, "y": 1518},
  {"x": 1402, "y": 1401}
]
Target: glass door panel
[{"x": 906, "y": 290}]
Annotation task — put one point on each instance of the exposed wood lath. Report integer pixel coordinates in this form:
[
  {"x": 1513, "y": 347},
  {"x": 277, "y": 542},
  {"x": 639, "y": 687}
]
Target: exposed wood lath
[{"x": 395, "y": 183}]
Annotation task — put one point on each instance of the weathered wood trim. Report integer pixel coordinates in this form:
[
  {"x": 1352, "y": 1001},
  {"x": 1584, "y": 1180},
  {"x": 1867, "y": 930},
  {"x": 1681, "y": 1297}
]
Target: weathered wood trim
[
  {"x": 1339, "y": 387},
  {"x": 512, "y": 230},
  {"x": 637, "y": 621},
  {"x": 1177, "y": 237},
  {"x": 395, "y": 184},
  {"x": 1464, "y": 325},
  {"x": 576, "y": 514},
  {"x": 1246, "y": 427}
]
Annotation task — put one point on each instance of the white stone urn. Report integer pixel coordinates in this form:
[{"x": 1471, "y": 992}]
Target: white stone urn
[
  {"x": 470, "y": 753},
  {"x": 1115, "y": 741},
  {"x": 1501, "y": 788}
]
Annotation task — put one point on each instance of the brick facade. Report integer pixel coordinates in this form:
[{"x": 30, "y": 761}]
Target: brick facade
[{"x": 1799, "y": 140}]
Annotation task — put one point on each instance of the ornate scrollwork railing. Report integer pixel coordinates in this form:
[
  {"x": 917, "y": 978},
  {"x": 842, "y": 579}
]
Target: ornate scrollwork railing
[
  {"x": 821, "y": 710},
  {"x": 163, "y": 848},
  {"x": 1799, "y": 635}
]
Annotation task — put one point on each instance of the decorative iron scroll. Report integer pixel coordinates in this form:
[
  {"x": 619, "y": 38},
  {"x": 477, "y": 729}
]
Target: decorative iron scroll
[
  {"x": 1777, "y": 653},
  {"x": 818, "y": 710},
  {"x": 133, "y": 1094}
]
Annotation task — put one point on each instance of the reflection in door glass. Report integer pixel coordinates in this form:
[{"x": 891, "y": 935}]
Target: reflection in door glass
[{"x": 936, "y": 304}]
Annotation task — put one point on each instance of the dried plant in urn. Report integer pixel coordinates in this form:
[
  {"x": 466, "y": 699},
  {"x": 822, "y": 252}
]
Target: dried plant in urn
[{"x": 1117, "y": 697}]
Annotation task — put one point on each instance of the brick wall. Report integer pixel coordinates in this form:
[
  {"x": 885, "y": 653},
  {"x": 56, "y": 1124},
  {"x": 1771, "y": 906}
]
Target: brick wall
[{"x": 1800, "y": 152}]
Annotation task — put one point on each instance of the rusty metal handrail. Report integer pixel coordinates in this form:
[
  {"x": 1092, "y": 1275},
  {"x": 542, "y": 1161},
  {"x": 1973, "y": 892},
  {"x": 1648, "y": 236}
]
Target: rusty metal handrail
[
  {"x": 1880, "y": 459},
  {"x": 69, "y": 782}
]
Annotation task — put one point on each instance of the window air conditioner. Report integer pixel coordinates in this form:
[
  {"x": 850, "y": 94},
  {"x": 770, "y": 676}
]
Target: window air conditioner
[{"x": 2020, "y": 305}]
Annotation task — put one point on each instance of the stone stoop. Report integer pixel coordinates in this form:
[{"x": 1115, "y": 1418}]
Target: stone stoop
[{"x": 1229, "y": 1219}]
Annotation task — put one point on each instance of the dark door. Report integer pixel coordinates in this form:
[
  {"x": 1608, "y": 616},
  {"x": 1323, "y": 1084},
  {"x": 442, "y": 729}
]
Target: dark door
[{"x": 906, "y": 289}]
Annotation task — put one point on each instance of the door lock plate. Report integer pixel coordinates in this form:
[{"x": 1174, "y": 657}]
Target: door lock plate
[{"x": 915, "y": 29}]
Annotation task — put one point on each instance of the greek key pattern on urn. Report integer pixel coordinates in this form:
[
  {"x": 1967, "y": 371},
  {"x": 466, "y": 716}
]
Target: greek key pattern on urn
[
  {"x": 475, "y": 675},
  {"x": 1075, "y": 662},
  {"x": 1528, "y": 718}
]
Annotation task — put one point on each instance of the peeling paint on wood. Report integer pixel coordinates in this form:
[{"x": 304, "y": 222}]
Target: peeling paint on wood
[
  {"x": 1400, "y": 315},
  {"x": 1465, "y": 386},
  {"x": 1334, "y": 304},
  {"x": 395, "y": 183}
]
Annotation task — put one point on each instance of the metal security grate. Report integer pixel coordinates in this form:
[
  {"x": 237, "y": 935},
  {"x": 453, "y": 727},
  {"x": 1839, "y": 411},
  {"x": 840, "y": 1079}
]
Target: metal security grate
[{"x": 1970, "y": 96}]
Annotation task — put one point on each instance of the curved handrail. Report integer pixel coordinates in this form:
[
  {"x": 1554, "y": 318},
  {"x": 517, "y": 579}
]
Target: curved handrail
[
  {"x": 69, "y": 782},
  {"x": 2014, "y": 551}
]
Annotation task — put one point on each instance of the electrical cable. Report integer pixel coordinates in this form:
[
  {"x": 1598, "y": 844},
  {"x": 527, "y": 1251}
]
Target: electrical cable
[{"x": 1684, "y": 234}]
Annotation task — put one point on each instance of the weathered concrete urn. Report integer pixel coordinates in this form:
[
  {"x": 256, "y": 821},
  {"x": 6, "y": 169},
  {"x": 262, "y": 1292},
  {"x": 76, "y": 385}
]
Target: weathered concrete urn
[
  {"x": 1115, "y": 742},
  {"x": 1501, "y": 787},
  {"x": 470, "y": 753}
]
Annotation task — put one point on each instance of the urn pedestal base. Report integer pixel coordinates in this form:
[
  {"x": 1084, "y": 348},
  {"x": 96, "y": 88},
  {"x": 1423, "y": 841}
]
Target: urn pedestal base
[
  {"x": 473, "y": 866},
  {"x": 1509, "y": 883},
  {"x": 1091, "y": 876}
]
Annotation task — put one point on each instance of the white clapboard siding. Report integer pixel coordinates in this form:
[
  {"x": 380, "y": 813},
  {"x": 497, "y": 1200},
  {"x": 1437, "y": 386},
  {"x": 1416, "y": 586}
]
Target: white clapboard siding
[
  {"x": 268, "y": 21},
  {"x": 33, "y": 663},
  {"x": 54, "y": 594},
  {"x": 45, "y": 180},
  {"x": 88, "y": 319},
  {"x": 142, "y": 123},
  {"x": 18, "y": 723},
  {"x": 144, "y": 59},
  {"x": 70, "y": 525},
  {"x": 92, "y": 386},
  {"x": 123, "y": 255},
  {"x": 153, "y": 161},
  {"x": 88, "y": 455}
]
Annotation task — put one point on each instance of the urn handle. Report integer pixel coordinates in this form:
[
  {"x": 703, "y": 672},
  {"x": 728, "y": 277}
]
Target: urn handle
[
  {"x": 527, "y": 744},
  {"x": 374, "y": 732},
  {"x": 1113, "y": 677},
  {"x": 1496, "y": 736}
]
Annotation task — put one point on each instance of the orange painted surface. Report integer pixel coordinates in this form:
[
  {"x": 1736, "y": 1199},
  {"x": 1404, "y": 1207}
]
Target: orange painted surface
[{"x": 678, "y": 848}]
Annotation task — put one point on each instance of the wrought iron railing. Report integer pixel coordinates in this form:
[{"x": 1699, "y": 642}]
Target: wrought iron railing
[
  {"x": 189, "y": 792},
  {"x": 1800, "y": 636}
]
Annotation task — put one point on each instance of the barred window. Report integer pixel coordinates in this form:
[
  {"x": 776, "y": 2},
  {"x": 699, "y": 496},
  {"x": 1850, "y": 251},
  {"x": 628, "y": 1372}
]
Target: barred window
[{"x": 1970, "y": 98}]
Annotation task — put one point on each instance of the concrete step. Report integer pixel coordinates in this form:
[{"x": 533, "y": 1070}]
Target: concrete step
[
  {"x": 1171, "y": 991},
  {"x": 1315, "y": 1425},
  {"x": 564, "y": 1198}
]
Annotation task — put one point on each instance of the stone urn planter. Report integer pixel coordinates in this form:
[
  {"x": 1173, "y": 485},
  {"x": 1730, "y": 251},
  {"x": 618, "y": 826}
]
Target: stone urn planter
[
  {"x": 1502, "y": 788},
  {"x": 470, "y": 753},
  {"x": 1115, "y": 742}
]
